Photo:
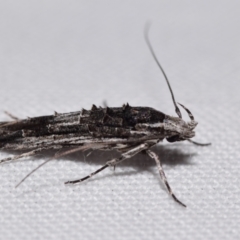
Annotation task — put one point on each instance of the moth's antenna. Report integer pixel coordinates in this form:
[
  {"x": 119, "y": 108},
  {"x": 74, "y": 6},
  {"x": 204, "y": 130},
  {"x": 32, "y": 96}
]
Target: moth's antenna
[{"x": 147, "y": 27}]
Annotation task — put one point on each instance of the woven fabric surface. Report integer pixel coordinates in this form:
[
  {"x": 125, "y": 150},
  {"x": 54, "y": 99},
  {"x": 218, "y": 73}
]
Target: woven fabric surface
[{"x": 64, "y": 56}]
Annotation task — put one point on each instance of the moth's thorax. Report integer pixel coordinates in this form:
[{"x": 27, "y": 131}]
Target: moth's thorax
[{"x": 169, "y": 127}]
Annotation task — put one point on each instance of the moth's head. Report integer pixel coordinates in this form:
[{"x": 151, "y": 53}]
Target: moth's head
[{"x": 178, "y": 129}]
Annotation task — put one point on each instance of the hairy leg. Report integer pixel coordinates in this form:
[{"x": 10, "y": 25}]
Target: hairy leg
[
  {"x": 154, "y": 156},
  {"x": 114, "y": 162},
  {"x": 28, "y": 154},
  {"x": 11, "y": 116}
]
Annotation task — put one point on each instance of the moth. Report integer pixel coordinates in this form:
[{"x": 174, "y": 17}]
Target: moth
[{"x": 129, "y": 130}]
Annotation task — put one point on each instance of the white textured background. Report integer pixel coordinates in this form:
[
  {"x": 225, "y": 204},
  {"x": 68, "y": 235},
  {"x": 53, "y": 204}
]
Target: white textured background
[{"x": 65, "y": 55}]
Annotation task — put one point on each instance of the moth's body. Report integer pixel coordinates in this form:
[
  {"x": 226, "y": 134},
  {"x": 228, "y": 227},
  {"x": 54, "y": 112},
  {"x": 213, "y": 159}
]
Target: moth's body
[
  {"x": 130, "y": 130},
  {"x": 115, "y": 127}
]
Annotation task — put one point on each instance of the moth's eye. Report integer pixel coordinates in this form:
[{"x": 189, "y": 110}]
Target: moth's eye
[{"x": 173, "y": 138}]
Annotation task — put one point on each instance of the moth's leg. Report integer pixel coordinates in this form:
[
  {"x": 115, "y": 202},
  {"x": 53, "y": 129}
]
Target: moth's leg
[
  {"x": 57, "y": 155},
  {"x": 199, "y": 144},
  {"x": 27, "y": 154},
  {"x": 114, "y": 162},
  {"x": 162, "y": 175},
  {"x": 11, "y": 116},
  {"x": 124, "y": 150}
]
